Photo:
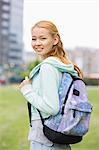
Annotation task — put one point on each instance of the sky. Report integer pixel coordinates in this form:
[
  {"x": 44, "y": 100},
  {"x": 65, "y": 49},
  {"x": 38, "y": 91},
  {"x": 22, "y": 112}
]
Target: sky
[{"x": 77, "y": 21}]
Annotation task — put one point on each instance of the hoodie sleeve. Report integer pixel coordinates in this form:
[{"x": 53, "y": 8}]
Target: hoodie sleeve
[{"x": 47, "y": 100}]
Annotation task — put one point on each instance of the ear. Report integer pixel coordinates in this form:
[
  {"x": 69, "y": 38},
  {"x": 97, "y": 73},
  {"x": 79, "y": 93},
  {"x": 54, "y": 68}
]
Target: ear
[{"x": 56, "y": 40}]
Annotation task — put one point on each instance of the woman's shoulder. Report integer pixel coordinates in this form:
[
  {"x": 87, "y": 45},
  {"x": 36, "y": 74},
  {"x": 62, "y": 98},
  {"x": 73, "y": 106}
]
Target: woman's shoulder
[
  {"x": 50, "y": 71},
  {"x": 51, "y": 58},
  {"x": 48, "y": 67}
]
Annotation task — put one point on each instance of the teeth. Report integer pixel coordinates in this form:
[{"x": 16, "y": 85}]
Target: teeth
[{"x": 39, "y": 49}]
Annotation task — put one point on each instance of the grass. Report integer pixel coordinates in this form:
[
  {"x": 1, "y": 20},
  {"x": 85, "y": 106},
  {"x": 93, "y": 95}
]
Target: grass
[
  {"x": 91, "y": 139},
  {"x": 14, "y": 121}
]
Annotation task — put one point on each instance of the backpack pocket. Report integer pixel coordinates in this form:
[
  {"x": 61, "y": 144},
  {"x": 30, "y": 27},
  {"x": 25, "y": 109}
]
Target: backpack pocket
[{"x": 76, "y": 118}]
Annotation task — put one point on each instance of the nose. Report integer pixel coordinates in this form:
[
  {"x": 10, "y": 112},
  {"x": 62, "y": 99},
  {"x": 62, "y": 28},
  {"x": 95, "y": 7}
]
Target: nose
[{"x": 37, "y": 42}]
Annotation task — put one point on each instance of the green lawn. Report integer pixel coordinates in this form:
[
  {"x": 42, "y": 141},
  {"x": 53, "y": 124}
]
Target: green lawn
[
  {"x": 14, "y": 121},
  {"x": 91, "y": 139}
]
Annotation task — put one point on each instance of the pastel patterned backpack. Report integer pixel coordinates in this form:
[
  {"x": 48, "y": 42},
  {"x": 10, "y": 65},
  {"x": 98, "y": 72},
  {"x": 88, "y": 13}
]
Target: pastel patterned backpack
[{"x": 72, "y": 121}]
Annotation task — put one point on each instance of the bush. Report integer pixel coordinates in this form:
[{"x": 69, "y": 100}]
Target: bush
[
  {"x": 90, "y": 81},
  {"x": 33, "y": 64},
  {"x": 30, "y": 66}
]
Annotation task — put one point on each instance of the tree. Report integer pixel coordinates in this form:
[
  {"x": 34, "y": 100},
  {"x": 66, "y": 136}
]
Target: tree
[{"x": 28, "y": 69}]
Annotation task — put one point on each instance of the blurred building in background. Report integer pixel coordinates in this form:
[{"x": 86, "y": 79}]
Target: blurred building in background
[
  {"x": 29, "y": 57},
  {"x": 11, "y": 31},
  {"x": 86, "y": 58}
]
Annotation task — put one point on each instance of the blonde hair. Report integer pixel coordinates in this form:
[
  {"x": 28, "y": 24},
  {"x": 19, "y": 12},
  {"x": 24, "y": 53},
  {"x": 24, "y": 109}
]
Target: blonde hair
[{"x": 57, "y": 50}]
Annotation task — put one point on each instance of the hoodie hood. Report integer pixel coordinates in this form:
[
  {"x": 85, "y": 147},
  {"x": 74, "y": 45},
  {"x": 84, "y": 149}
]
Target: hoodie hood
[{"x": 56, "y": 63}]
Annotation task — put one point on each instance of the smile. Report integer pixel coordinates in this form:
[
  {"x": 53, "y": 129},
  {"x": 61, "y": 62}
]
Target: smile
[{"x": 39, "y": 49}]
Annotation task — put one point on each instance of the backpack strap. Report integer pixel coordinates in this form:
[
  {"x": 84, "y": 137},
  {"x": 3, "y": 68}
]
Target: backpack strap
[
  {"x": 75, "y": 92},
  {"x": 66, "y": 97},
  {"x": 42, "y": 119},
  {"x": 29, "y": 112}
]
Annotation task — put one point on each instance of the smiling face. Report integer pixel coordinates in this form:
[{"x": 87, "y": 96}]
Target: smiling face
[{"x": 43, "y": 41}]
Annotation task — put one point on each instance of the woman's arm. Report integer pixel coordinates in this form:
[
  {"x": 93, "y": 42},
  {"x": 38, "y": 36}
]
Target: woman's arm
[{"x": 47, "y": 100}]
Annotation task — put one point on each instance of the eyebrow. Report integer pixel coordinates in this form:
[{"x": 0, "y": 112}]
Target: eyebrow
[{"x": 40, "y": 35}]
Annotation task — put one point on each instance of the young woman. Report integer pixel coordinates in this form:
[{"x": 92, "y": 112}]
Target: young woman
[{"x": 42, "y": 91}]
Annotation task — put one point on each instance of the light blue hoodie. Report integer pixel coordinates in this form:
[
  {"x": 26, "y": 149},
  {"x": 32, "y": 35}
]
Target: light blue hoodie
[{"x": 43, "y": 92}]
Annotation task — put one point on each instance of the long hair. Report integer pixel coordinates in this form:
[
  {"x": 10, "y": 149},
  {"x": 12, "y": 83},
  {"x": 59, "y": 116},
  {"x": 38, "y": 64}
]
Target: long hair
[{"x": 57, "y": 50}]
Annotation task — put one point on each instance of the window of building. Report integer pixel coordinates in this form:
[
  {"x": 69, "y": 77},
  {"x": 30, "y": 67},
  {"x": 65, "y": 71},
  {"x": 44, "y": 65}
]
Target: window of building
[
  {"x": 6, "y": 7},
  {"x": 4, "y": 23},
  {"x": 5, "y": 15},
  {"x": 6, "y": 0}
]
